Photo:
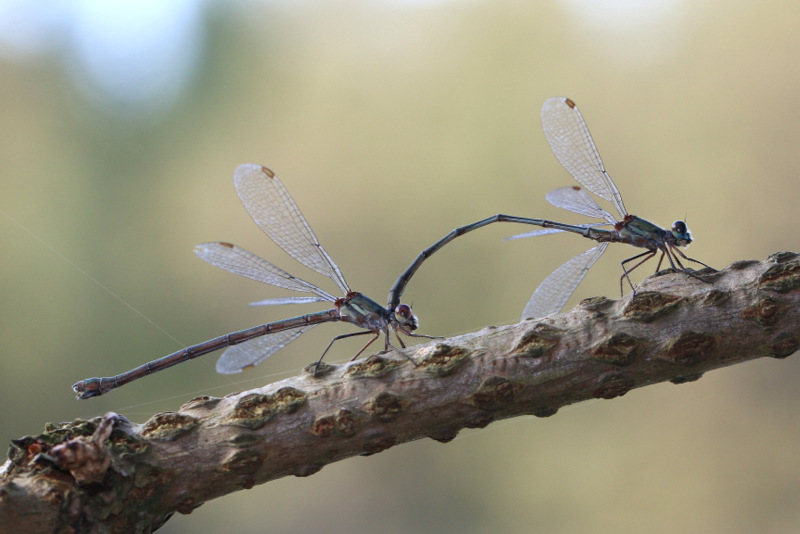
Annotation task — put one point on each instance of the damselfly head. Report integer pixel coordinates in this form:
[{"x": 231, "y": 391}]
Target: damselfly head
[
  {"x": 681, "y": 233},
  {"x": 405, "y": 318}
]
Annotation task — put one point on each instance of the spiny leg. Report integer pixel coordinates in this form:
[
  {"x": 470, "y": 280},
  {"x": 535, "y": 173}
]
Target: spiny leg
[
  {"x": 343, "y": 336},
  {"x": 398, "y": 330},
  {"x": 412, "y": 334},
  {"x": 377, "y": 335},
  {"x": 687, "y": 258},
  {"x": 687, "y": 271},
  {"x": 626, "y": 272},
  {"x": 397, "y": 335},
  {"x": 661, "y": 260},
  {"x": 674, "y": 260}
]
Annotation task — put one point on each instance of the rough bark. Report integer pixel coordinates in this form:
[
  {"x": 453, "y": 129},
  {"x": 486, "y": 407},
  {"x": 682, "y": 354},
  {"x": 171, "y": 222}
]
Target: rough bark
[{"x": 111, "y": 475}]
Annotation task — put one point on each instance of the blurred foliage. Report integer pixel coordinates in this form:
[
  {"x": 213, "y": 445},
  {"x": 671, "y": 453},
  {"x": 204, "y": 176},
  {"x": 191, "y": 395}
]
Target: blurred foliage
[{"x": 391, "y": 125}]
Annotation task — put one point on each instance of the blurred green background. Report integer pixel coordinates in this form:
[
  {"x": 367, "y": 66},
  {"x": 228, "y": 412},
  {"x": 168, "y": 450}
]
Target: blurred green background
[{"x": 391, "y": 123}]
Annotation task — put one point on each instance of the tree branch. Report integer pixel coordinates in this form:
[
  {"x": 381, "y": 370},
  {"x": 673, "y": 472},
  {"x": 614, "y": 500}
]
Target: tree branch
[{"x": 111, "y": 475}]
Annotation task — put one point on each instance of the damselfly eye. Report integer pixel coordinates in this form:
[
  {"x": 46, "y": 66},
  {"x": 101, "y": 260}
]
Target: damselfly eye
[
  {"x": 681, "y": 234},
  {"x": 405, "y": 318}
]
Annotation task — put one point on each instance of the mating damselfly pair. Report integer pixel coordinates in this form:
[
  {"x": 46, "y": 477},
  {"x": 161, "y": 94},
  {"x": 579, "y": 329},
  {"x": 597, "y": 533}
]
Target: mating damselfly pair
[{"x": 268, "y": 202}]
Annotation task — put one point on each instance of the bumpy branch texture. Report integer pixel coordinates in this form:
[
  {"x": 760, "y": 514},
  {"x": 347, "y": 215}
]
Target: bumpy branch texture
[{"x": 111, "y": 475}]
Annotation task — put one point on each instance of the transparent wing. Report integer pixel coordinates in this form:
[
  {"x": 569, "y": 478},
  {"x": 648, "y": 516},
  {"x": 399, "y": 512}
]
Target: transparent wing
[
  {"x": 287, "y": 300},
  {"x": 269, "y": 204},
  {"x": 572, "y": 144},
  {"x": 554, "y": 292},
  {"x": 239, "y": 357},
  {"x": 577, "y": 200},
  {"x": 239, "y": 261},
  {"x": 546, "y": 231}
]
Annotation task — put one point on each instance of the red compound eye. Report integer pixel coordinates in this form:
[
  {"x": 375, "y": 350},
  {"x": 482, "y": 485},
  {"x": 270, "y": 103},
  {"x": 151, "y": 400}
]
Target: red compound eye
[{"x": 403, "y": 311}]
